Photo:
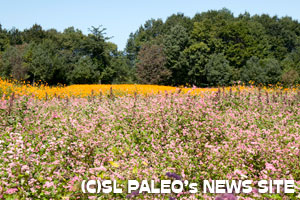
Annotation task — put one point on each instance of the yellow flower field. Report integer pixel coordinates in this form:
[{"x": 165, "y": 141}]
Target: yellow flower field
[{"x": 42, "y": 91}]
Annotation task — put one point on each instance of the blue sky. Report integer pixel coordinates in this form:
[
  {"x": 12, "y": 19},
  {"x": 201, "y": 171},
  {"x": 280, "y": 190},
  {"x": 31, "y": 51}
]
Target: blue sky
[{"x": 120, "y": 18}]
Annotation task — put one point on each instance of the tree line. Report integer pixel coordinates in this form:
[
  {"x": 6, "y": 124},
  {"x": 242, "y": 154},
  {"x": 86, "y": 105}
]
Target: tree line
[
  {"x": 69, "y": 57},
  {"x": 212, "y": 48}
]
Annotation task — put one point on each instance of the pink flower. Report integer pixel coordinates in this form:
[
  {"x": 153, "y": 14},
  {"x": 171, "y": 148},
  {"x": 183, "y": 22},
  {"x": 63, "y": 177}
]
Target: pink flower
[
  {"x": 24, "y": 168},
  {"x": 226, "y": 197},
  {"x": 269, "y": 166},
  {"x": 101, "y": 168},
  {"x": 48, "y": 184},
  {"x": 11, "y": 190}
]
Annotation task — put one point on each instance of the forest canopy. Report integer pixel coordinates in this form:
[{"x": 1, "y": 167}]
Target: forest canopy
[{"x": 212, "y": 48}]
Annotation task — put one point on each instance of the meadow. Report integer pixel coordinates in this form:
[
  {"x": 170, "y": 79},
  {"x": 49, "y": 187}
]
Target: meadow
[{"x": 52, "y": 138}]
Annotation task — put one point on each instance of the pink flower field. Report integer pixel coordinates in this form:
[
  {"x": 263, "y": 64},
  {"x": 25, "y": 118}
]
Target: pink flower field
[{"x": 49, "y": 146}]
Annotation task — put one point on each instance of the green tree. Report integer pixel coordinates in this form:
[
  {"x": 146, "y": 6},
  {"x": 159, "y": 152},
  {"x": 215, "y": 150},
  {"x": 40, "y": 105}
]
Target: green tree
[
  {"x": 147, "y": 33},
  {"x": 43, "y": 62},
  {"x": 218, "y": 71},
  {"x": 262, "y": 71},
  {"x": 4, "y": 40},
  {"x": 84, "y": 72},
  {"x": 15, "y": 37},
  {"x": 96, "y": 47},
  {"x": 151, "y": 65},
  {"x": 243, "y": 39},
  {"x": 215, "y": 15},
  {"x": 291, "y": 68},
  {"x": 178, "y": 19},
  {"x": 192, "y": 63},
  {"x": 12, "y": 63},
  {"x": 34, "y": 34},
  {"x": 122, "y": 70},
  {"x": 174, "y": 43}
]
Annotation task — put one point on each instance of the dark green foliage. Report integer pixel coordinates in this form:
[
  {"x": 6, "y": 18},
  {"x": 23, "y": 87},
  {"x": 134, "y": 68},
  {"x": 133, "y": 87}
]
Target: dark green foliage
[
  {"x": 4, "y": 40},
  {"x": 43, "y": 62},
  {"x": 123, "y": 72},
  {"x": 15, "y": 37},
  {"x": 34, "y": 34},
  {"x": 291, "y": 66},
  {"x": 69, "y": 57},
  {"x": 262, "y": 71},
  {"x": 84, "y": 72},
  {"x": 151, "y": 65},
  {"x": 177, "y": 20},
  {"x": 212, "y": 48},
  {"x": 258, "y": 48},
  {"x": 218, "y": 71},
  {"x": 192, "y": 63},
  {"x": 12, "y": 63},
  {"x": 175, "y": 43},
  {"x": 243, "y": 39}
]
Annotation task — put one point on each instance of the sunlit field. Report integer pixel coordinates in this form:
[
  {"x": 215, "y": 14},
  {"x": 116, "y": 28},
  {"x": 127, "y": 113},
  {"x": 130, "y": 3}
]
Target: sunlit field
[
  {"x": 43, "y": 91},
  {"x": 52, "y": 138}
]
